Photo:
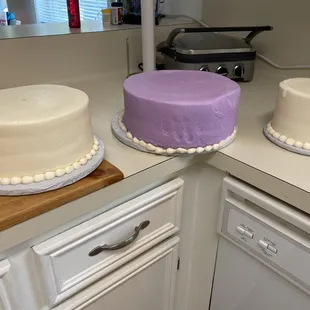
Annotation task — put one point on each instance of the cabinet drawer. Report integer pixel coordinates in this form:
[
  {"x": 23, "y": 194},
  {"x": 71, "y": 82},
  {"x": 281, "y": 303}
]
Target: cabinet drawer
[
  {"x": 146, "y": 283},
  {"x": 65, "y": 261},
  {"x": 7, "y": 299}
]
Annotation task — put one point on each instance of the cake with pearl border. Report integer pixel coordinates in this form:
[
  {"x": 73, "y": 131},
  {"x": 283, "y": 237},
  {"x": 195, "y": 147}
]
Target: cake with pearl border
[
  {"x": 45, "y": 134},
  {"x": 290, "y": 127},
  {"x": 179, "y": 112}
]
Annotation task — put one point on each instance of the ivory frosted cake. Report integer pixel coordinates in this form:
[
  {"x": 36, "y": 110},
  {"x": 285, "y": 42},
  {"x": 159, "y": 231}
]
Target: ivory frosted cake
[
  {"x": 45, "y": 132},
  {"x": 290, "y": 123},
  {"x": 180, "y": 111}
]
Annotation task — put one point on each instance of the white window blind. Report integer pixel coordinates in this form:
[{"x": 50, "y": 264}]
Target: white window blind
[{"x": 53, "y": 11}]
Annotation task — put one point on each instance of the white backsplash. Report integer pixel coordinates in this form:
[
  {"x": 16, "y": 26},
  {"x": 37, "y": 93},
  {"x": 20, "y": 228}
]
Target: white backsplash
[
  {"x": 287, "y": 44},
  {"x": 67, "y": 57}
]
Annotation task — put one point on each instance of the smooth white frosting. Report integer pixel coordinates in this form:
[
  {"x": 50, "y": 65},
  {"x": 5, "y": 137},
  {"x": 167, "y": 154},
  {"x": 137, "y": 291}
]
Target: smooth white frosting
[
  {"x": 76, "y": 165},
  {"x": 171, "y": 151},
  {"x": 288, "y": 141},
  {"x": 291, "y": 116},
  {"x": 16, "y": 180},
  {"x": 43, "y": 128},
  {"x": 27, "y": 179},
  {"x": 298, "y": 144},
  {"x": 159, "y": 150},
  {"x": 306, "y": 146},
  {"x": 60, "y": 172},
  {"x": 83, "y": 161},
  {"x": 5, "y": 181},
  {"x": 38, "y": 178},
  {"x": 49, "y": 175},
  {"x": 69, "y": 169}
]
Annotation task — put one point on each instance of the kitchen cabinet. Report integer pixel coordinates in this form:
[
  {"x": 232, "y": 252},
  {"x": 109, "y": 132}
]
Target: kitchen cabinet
[
  {"x": 147, "y": 283},
  {"x": 55, "y": 271},
  {"x": 7, "y": 298},
  {"x": 118, "y": 236}
]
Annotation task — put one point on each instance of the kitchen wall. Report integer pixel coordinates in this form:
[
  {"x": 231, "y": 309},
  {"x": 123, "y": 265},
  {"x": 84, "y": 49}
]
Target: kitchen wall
[
  {"x": 61, "y": 58},
  {"x": 190, "y": 8},
  {"x": 287, "y": 44},
  {"x": 24, "y": 10}
]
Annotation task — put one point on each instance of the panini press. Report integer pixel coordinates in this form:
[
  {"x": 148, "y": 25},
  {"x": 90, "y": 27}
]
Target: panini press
[{"x": 207, "y": 49}]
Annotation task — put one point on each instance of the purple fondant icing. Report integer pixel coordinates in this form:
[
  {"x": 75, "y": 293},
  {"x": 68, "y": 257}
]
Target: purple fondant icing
[{"x": 185, "y": 109}]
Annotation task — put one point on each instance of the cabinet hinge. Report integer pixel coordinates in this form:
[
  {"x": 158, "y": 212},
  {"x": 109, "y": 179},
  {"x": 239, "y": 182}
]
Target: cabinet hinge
[{"x": 178, "y": 265}]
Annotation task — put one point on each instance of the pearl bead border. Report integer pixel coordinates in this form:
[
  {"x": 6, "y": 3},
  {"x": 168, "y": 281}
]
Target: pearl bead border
[
  {"x": 49, "y": 175},
  {"x": 286, "y": 140},
  {"x": 171, "y": 151}
]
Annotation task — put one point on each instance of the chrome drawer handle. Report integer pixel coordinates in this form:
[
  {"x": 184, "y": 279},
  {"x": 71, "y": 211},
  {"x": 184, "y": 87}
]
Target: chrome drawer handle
[{"x": 121, "y": 244}]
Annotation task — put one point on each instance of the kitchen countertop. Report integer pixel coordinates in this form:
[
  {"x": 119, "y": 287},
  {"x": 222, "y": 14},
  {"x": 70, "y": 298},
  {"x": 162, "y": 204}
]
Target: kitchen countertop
[
  {"x": 251, "y": 157},
  {"x": 251, "y": 148}
]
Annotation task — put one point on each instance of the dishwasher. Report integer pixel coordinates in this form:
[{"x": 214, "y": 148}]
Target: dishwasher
[{"x": 263, "y": 259}]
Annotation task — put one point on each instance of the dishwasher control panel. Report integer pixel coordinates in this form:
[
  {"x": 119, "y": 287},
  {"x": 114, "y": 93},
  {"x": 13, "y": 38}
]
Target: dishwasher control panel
[
  {"x": 254, "y": 235},
  {"x": 244, "y": 231},
  {"x": 248, "y": 233},
  {"x": 248, "y": 223},
  {"x": 281, "y": 250}
]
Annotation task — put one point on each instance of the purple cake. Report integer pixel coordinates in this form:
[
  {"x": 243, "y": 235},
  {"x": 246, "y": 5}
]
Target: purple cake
[{"x": 180, "y": 109}]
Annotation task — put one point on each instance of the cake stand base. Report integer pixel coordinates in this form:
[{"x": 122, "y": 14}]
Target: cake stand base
[
  {"x": 121, "y": 136},
  {"x": 283, "y": 145},
  {"x": 58, "y": 182}
]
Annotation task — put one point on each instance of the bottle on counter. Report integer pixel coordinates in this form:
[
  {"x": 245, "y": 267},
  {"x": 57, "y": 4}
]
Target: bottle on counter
[
  {"x": 3, "y": 19},
  {"x": 74, "y": 13},
  {"x": 117, "y": 13},
  {"x": 106, "y": 16}
]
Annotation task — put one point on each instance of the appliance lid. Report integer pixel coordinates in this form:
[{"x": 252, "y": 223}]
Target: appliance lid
[{"x": 210, "y": 43}]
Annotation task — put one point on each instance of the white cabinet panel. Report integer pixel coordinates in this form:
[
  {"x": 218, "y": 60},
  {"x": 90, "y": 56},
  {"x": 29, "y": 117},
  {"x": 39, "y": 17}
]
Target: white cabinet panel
[
  {"x": 146, "y": 283},
  {"x": 66, "y": 266},
  {"x": 7, "y": 299}
]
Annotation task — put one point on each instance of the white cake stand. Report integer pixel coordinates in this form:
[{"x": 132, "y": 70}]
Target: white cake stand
[
  {"x": 121, "y": 136},
  {"x": 290, "y": 148},
  {"x": 58, "y": 182}
]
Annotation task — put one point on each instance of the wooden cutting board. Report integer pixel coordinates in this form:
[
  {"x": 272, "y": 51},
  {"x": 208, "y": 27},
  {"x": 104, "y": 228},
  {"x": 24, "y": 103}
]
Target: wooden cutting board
[{"x": 14, "y": 210}]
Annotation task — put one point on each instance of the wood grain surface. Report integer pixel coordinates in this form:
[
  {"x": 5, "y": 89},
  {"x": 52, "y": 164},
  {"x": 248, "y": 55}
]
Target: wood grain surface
[{"x": 14, "y": 210}]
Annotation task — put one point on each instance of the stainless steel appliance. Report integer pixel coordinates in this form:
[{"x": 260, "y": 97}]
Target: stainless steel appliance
[
  {"x": 263, "y": 259},
  {"x": 207, "y": 49}
]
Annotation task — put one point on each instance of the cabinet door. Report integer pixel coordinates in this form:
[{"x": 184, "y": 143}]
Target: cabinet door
[
  {"x": 64, "y": 260},
  {"x": 147, "y": 283},
  {"x": 7, "y": 300}
]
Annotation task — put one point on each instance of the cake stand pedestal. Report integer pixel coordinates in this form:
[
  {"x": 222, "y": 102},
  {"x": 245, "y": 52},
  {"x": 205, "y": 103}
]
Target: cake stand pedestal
[
  {"x": 58, "y": 182},
  {"x": 121, "y": 136},
  {"x": 290, "y": 148}
]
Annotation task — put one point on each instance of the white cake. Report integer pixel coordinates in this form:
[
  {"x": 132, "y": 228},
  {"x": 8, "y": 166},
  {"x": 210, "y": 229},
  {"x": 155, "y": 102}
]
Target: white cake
[
  {"x": 290, "y": 123},
  {"x": 45, "y": 132}
]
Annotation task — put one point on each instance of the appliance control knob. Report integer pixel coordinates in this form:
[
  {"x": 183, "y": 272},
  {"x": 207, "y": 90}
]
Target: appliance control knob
[
  {"x": 222, "y": 70},
  {"x": 204, "y": 68},
  {"x": 239, "y": 71}
]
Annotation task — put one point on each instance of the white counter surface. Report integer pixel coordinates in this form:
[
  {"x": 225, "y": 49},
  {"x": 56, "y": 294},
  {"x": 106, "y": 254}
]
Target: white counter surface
[
  {"x": 251, "y": 148},
  {"x": 251, "y": 157}
]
